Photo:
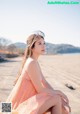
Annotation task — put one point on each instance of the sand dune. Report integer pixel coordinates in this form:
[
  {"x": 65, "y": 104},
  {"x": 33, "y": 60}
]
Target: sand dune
[{"x": 61, "y": 71}]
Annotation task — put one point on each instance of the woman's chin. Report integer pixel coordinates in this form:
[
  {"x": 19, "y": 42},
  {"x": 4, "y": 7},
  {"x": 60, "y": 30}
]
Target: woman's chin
[{"x": 43, "y": 52}]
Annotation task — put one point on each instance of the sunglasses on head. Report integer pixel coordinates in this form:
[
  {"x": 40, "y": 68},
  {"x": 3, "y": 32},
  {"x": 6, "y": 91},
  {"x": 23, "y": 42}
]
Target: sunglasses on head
[{"x": 38, "y": 32}]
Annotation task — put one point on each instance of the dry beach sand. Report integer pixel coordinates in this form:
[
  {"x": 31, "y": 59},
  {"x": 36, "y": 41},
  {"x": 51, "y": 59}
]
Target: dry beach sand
[{"x": 59, "y": 70}]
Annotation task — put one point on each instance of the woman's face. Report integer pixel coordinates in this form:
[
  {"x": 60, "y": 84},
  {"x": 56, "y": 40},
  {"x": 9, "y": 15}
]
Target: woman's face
[{"x": 39, "y": 47}]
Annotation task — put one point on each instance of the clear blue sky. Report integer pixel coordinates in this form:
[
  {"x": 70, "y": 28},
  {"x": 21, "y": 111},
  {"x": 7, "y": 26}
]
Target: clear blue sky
[{"x": 60, "y": 23}]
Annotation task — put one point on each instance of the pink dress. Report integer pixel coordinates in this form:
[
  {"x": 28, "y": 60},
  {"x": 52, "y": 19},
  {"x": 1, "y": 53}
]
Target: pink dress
[{"x": 24, "y": 97}]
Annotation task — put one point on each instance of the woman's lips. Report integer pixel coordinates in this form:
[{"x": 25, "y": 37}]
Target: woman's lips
[{"x": 42, "y": 50}]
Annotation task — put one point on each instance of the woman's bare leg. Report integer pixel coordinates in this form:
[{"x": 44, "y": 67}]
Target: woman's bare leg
[
  {"x": 49, "y": 111},
  {"x": 57, "y": 109},
  {"x": 54, "y": 101},
  {"x": 64, "y": 111}
]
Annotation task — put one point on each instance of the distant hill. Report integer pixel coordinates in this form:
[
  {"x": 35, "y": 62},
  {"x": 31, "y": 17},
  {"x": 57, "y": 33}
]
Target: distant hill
[
  {"x": 61, "y": 48},
  {"x": 54, "y": 48},
  {"x": 20, "y": 45}
]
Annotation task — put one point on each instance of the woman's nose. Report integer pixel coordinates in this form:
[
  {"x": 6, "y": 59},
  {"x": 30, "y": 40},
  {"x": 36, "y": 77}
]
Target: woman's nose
[{"x": 43, "y": 46}]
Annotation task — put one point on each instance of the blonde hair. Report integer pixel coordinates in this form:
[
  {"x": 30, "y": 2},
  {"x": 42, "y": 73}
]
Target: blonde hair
[{"x": 28, "y": 52}]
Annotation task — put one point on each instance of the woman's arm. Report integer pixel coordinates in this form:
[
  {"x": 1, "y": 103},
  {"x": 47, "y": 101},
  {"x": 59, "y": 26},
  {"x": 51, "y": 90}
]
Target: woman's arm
[
  {"x": 34, "y": 74},
  {"x": 46, "y": 83}
]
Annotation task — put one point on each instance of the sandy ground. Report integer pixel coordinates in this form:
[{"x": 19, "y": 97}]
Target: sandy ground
[{"x": 58, "y": 70}]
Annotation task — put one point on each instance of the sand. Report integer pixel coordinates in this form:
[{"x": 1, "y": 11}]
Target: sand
[{"x": 58, "y": 70}]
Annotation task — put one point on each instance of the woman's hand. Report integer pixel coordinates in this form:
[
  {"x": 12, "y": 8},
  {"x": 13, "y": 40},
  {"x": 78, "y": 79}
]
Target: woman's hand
[
  {"x": 62, "y": 95},
  {"x": 66, "y": 106},
  {"x": 58, "y": 92},
  {"x": 65, "y": 101}
]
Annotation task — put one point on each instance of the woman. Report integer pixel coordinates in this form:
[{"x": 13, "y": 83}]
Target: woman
[{"x": 32, "y": 94}]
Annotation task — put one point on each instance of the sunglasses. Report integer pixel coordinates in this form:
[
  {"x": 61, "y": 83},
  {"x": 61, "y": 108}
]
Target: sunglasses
[{"x": 38, "y": 32}]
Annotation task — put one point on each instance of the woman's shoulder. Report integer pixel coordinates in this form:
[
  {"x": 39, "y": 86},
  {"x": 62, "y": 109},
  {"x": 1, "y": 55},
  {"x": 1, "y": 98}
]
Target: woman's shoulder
[{"x": 30, "y": 61}]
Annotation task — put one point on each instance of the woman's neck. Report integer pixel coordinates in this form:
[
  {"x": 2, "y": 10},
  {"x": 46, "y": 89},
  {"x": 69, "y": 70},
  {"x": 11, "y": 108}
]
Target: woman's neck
[{"x": 35, "y": 56}]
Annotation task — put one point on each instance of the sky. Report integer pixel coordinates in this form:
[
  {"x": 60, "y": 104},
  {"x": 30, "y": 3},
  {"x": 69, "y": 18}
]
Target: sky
[{"x": 60, "y": 23}]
